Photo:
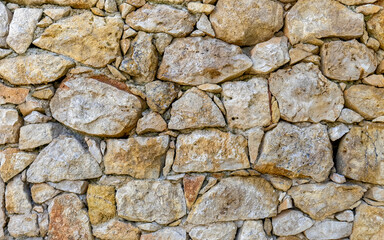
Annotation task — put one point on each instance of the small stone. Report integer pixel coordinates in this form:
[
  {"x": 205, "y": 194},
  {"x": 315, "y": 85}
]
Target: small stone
[
  {"x": 375, "y": 193},
  {"x": 4, "y": 52},
  {"x": 125, "y": 44},
  {"x": 125, "y": 8},
  {"x": 290, "y": 222},
  {"x": 374, "y": 80},
  {"x": 110, "y": 6},
  {"x": 337, "y": 178},
  {"x": 329, "y": 229},
  {"x": 33, "y": 104},
  {"x": 17, "y": 200},
  {"x": 308, "y": 47},
  {"x": 192, "y": 185},
  {"x": 5, "y": 19},
  {"x": 36, "y": 135},
  {"x": 169, "y": 157},
  {"x": 197, "y": 7},
  {"x": 209, "y": 87},
  {"x": 116, "y": 73},
  {"x": 160, "y": 95},
  {"x": 13, "y": 161},
  {"x": 130, "y": 33},
  {"x": 45, "y": 92},
  {"x": 10, "y": 123},
  {"x": 72, "y": 3},
  {"x": 78, "y": 187},
  {"x": 280, "y": 183},
  {"x": 252, "y": 230},
  {"x": 255, "y": 135},
  {"x": 168, "y": 233},
  {"x": 152, "y": 122},
  {"x": 375, "y": 27},
  {"x": 115, "y": 229},
  {"x": 101, "y": 203},
  {"x": 368, "y": 224},
  {"x": 286, "y": 203},
  {"x": 161, "y": 41},
  {"x": 356, "y": 2},
  {"x": 268, "y": 226},
  {"x": 337, "y": 132},
  {"x": 12, "y": 95},
  {"x": 149, "y": 227},
  {"x": 20, "y": 226},
  {"x": 205, "y": 26},
  {"x": 97, "y": 12},
  {"x": 197, "y": 33},
  {"x": 297, "y": 54},
  {"x": 35, "y": 117},
  {"x": 345, "y": 216},
  {"x": 368, "y": 9},
  {"x": 45, "y": 22},
  {"x": 349, "y": 116},
  {"x": 136, "y": 3},
  {"x": 57, "y": 13},
  {"x": 43, "y": 192},
  {"x": 365, "y": 100},
  {"x": 223, "y": 231}
]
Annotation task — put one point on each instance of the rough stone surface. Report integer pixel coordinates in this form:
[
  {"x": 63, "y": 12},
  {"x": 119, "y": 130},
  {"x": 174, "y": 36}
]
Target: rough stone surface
[
  {"x": 160, "y": 95},
  {"x": 17, "y": 200},
  {"x": 329, "y": 229},
  {"x": 214, "y": 231},
  {"x": 36, "y": 135},
  {"x": 168, "y": 233},
  {"x": 152, "y": 122},
  {"x": 192, "y": 185},
  {"x": 5, "y": 19},
  {"x": 349, "y": 116},
  {"x": 13, "y": 161},
  {"x": 72, "y": 3},
  {"x": 368, "y": 224},
  {"x": 78, "y": 187},
  {"x": 375, "y": 27},
  {"x": 101, "y": 203},
  {"x": 29, "y": 226},
  {"x": 291, "y": 222},
  {"x": 42, "y": 192},
  {"x": 252, "y": 230},
  {"x": 115, "y": 229},
  {"x": 375, "y": 193},
  {"x": 10, "y": 123},
  {"x": 12, "y": 95}
]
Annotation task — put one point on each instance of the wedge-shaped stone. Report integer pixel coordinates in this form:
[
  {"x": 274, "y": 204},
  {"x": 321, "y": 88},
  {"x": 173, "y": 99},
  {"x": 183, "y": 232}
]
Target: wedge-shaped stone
[
  {"x": 304, "y": 94},
  {"x": 86, "y": 38},
  {"x": 196, "y": 60},
  {"x": 13, "y": 161},
  {"x": 368, "y": 224},
  {"x": 5, "y": 20},
  {"x": 10, "y": 123},
  {"x": 210, "y": 151},
  {"x": 309, "y": 20},
  {"x": 12, "y": 95},
  {"x": 63, "y": 159},
  {"x": 151, "y": 200},
  {"x": 235, "y": 198},
  {"x": 97, "y": 107},
  {"x": 322, "y": 200},
  {"x": 115, "y": 229},
  {"x": 375, "y": 26},
  {"x": 72, "y": 3},
  {"x": 290, "y": 222}
]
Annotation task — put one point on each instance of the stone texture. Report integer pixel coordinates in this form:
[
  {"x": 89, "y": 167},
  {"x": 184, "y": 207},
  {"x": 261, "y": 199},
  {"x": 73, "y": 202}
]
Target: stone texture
[
  {"x": 101, "y": 203},
  {"x": 205, "y": 26},
  {"x": 10, "y": 123},
  {"x": 347, "y": 61},
  {"x": 93, "y": 41},
  {"x": 345, "y": 216},
  {"x": 72, "y": 3},
  {"x": 349, "y": 116},
  {"x": 304, "y": 94},
  {"x": 291, "y": 222},
  {"x": 195, "y": 109},
  {"x": 309, "y": 20},
  {"x": 252, "y": 230},
  {"x": 368, "y": 224},
  {"x": 329, "y": 229},
  {"x": 13, "y": 161},
  {"x": 34, "y": 69},
  {"x": 17, "y": 200},
  {"x": 196, "y": 60},
  {"x": 356, "y": 2},
  {"x": 63, "y": 159},
  {"x": 43, "y": 192},
  {"x": 375, "y": 27},
  {"x": 20, "y": 226},
  {"x": 210, "y": 151},
  {"x": 375, "y": 193},
  {"x": 78, "y": 187},
  {"x": 12, "y": 95},
  {"x": 168, "y": 233},
  {"x": 3, "y": 216},
  {"x": 214, "y": 231},
  {"x": 246, "y": 22},
  {"x": 255, "y": 136},
  {"x": 115, "y": 229},
  {"x": 152, "y": 122},
  {"x": 374, "y": 80},
  {"x": 235, "y": 198},
  {"x": 160, "y": 95},
  {"x": 247, "y": 103},
  {"x": 294, "y": 151},
  {"x": 68, "y": 219},
  {"x": 139, "y": 157},
  {"x": 192, "y": 185},
  {"x": 365, "y": 100},
  {"x": 5, "y": 19},
  {"x": 337, "y": 131},
  {"x": 36, "y": 135},
  {"x": 310, "y": 198},
  {"x": 162, "y": 18},
  {"x": 360, "y": 154},
  {"x": 81, "y": 103}
]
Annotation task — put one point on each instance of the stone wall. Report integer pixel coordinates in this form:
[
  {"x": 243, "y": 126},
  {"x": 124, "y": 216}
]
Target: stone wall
[{"x": 182, "y": 119}]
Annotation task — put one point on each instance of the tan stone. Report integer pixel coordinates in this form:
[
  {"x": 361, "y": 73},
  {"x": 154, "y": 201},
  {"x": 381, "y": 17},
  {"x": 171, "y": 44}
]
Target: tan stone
[
  {"x": 209, "y": 87},
  {"x": 349, "y": 116},
  {"x": 168, "y": 233},
  {"x": 368, "y": 224},
  {"x": 205, "y": 26},
  {"x": 17, "y": 200},
  {"x": 252, "y": 230},
  {"x": 345, "y": 216},
  {"x": 255, "y": 136},
  {"x": 223, "y": 231},
  {"x": 115, "y": 229},
  {"x": 21, "y": 226},
  {"x": 374, "y": 80},
  {"x": 152, "y": 122},
  {"x": 161, "y": 41},
  {"x": 192, "y": 185},
  {"x": 356, "y": 2},
  {"x": 375, "y": 27},
  {"x": 42, "y": 192},
  {"x": 197, "y": 7},
  {"x": 36, "y": 135},
  {"x": 78, "y": 187},
  {"x": 5, "y": 19},
  {"x": 337, "y": 131},
  {"x": 45, "y": 92},
  {"x": 160, "y": 95},
  {"x": 297, "y": 54},
  {"x": 35, "y": 117},
  {"x": 290, "y": 222},
  {"x": 101, "y": 203},
  {"x": 12, "y": 95},
  {"x": 10, "y": 123},
  {"x": 32, "y": 104},
  {"x": 13, "y": 161},
  {"x": 375, "y": 193},
  {"x": 72, "y": 3},
  {"x": 329, "y": 229},
  {"x": 368, "y": 9}
]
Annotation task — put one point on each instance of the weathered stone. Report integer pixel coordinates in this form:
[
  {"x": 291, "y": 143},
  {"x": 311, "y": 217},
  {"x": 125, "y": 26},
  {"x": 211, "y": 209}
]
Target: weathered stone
[
  {"x": 44, "y": 92},
  {"x": 356, "y": 2},
  {"x": 337, "y": 132},
  {"x": 115, "y": 229},
  {"x": 72, "y": 3},
  {"x": 195, "y": 109},
  {"x": 151, "y": 200},
  {"x": 210, "y": 151},
  {"x": 36, "y": 135},
  {"x": 345, "y": 216},
  {"x": 205, "y": 26},
  {"x": 168, "y": 233},
  {"x": 68, "y": 219},
  {"x": 247, "y": 103},
  {"x": 329, "y": 229},
  {"x": 375, "y": 27},
  {"x": 297, "y": 54},
  {"x": 160, "y": 95},
  {"x": 3, "y": 217},
  {"x": 34, "y": 69},
  {"x": 197, "y": 7},
  {"x": 149, "y": 227},
  {"x": 22, "y": 28},
  {"x": 42, "y": 192},
  {"x": 310, "y": 20},
  {"x": 152, "y": 122},
  {"x": 246, "y": 22},
  {"x": 294, "y": 151},
  {"x": 78, "y": 187},
  {"x": 290, "y": 222},
  {"x": 101, "y": 203},
  {"x": 310, "y": 198},
  {"x": 255, "y": 136},
  {"x": 368, "y": 9},
  {"x": 10, "y": 123},
  {"x": 81, "y": 103},
  {"x": 20, "y": 226},
  {"x": 5, "y": 19},
  {"x": 162, "y": 18},
  {"x": 57, "y": 13},
  {"x": 223, "y": 231},
  {"x": 33, "y": 104},
  {"x": 270, "y": 55},
  {"x": 347, "y": 61},
  {"x": 139, "y": 157},
  {"x": 192, "y": 185},
  {"x": 235, "y": 198},
  {"x": 161, "y": 41},
  {"x": 82, "y": 42},
  {"x": 141, "y": 59},
  {"x": 35, "y": 117},
  {"x": 17, "y": 200},
  {"x": 304, "y": 94},
  {"x": 12, "y": 95},
  {"x": 13, "y": 161},
  {"x": 349, "y": 116},
  {"x": 197, "y": 60},
  {"x": 368, "y": 224},
  {"x": 374, "y": 80},
  {"x": 375, "y": 193},
  {"x": 252, "y": 230},
  {"x": 338, "y": 178},
  {"x": 169, "y": 157},
  {"x": 63, "y": 159}
]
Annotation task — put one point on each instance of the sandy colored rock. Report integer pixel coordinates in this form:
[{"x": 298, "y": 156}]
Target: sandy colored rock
[
  {"x": 115, "y": 229},
  {"x": 210, "y": 151},
  {"x": 297, "y": 54},
  {"x": 152, "y": 122},
  {"x": 197, "y": 7},
  {"x": 368, "y": 9},
  {"x": 374, "y": 80},
  {"x": 83, "y": 42},
  {"x": 329, "y": 229},
  {"x": 167, "y": 233},
  {"x": 81, "y": 103},
  {"x": 78, "y": 187},
  {"x": 25, "y": 225},
  {"x": 310, "y": 20},
  {"x": 345, "y": 216},
  {"x": 247, "y": 103},
  {"x": 10, "y": 123},
  {"x": 205, "y": 26},
  {"x": 235, "y": 198},
  {"x": 160, "y": 95},
  {"x": 139, "y": 157},
  {"x": 3, "y": 216},
  {"x": 214, "y": 231},
  {"x": 13, "y": 161},
  {"x": 375, "y": 193},
  {"x": 161, "y": 41},
  {"x": 12, "y": 95},
  {"x": 34, "y": 69},
  {"x": 5, "y": 19},
  {"x": 42, "y": 192},
  {"x": 290, "y": 222},
  {"x": 356, "y": 2},
  {"x": 349, "y": 116},
  {"x": 252, "y": 230},
  {"x": 192, "y": 185},
  {"x": 63, "y": 159},
  {"x": 101, "y": 203},
  {"x": 151, "y": 200},
  {"x": 368, "y": 224},
  {"x": 304, "y": 94},
  {"x": 36, "y": 117},
  {"x": 17, "y": 200},
  {"x": 196, "y": 60},
  {"x": 324, "y": 199},
  {"x": 162, "y": 18},
  {"x": 36, "y": 135},
  {"x": 195, "y": 109},
  {"x": 72, "y": 3},
  {"x": 375, "y": 27},
  {"x": 246, "y": 22}
]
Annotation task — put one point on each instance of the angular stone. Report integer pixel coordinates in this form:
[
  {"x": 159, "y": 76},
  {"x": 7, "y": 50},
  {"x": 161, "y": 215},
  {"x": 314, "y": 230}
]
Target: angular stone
[
  {"x": 304, "y": 94},
  {"x": 17, "y": 200},
  {"x": 3, "y": 217},
  {"x": 81, "y": 103},
  {"x": 34, "y": 69},
  {"x": 223, "y": 231},
  {"x": 36, "y": 135},
  {"x": 161, "y": 41},
  {"x": 12, "y": 95},
  {"x": 337, "y": 132},
  {"x": 151, "y": 200},
  {"x": 210, "y": 151},
  {"x": 297, "y": 54},
  {"x": 94, "y": 41},
  {"x": 290, "y": 222},
  {"x": 345, "y": 216},
  {"x": 57, "y": 13},
  {"x": 141, "y": 59},
  {"x": 205, "y": 26},
  {"x": 255, "y": 136},
  {"x": 63, "y": 159},
  {"x": 310, "y": 20},
  {"x": 152, "y": 122},
  {"x": 13, "y": 161},
  {"x": 252, "y": 230},
  {"x": 247, "y": 103},
  {"x": 368, "y": 9},
  {"x": 375, "y": 193},
  {"x": 195, "y": 109},
  {"x": 168, "y": 233},
  {"x": 20, "y": 226},
  {"x": 160, "y": 95},
  {"x": 368, "y": 224},
  {"x": 246, "y": 22},
  {"x": 72, "y": 3},
  {"x": 115, "y": 229},
  {"x": 42, "y": 192},
  {"x": 329, "y": 229},
  {"x": 294, "y": 151},
  {"x": 139, "y": 157},
  {"x": 366, "y": 100},
  {"x": 356, "y": 2},
  {"x": 192, "y": 185},
  {"x": 374, "y": 80},
  {"x": 196, "y": 60},
  {"x": 101, "y": 203},
  {"x": 5, "y": 19},
  {"x": 10, "y": 123},
  {"x": 360, "y": 154},
  {"x": 78, "y": 187},
  {"x": 68, "y": 219},
  {"x": 349, "y": 116},
  {"x": 310, "y": 198},
  {"x": 22, "y": 27},
  {"x": 235, "y": 198},
  {"x": 375, "y": 27}
]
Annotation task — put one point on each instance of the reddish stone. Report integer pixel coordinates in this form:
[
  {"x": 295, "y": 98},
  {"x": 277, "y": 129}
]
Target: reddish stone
[{"x": 192, "y": 185}]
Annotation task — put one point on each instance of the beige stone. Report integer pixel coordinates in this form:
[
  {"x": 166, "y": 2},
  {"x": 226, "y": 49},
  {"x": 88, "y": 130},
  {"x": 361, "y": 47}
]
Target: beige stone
[
  {"x": 337, "y": 131},
  {"x": 35, "y": 117},
  {"x": 45, "y": 92},
  {"x": 209, "y": 87},
  {"x": 297, "y": 54},
  {"x": 17, "y": 200},
  {"x": 356, "y": 2},
  {"x": 252, "y": 230},
  {"x": 197, "y": 7},
  {"x": 57, "y": 13},
  {"x": 152, "y": 122},
  {"x": 32, "y": 104},
  {"x": 345, "y": 216},
  {"x": 42, "y": 192},
  {"x": 255, "y": 136},
  {"x": 101, "y": 203},
  {"x": 12, "y": 95},
  {"x": 290, "y": 222},
  {"x": 161, "y": 41},
  {"x": 115, "y": 229},
  {"x": 10, "y": 123},
  {"x": 25, "y": 225},
  {"x": 375, "y": 27},
  {"x": 13, "y": 161},
  {"x": 205, "y": 26},
  {"x": 192, "y": 185},
  {"x": 329, "y": 229},
  {"x": 349, "y": 116},
  {"x": 223, "y": 231},
  {"x": 78, "y": 187},
  {"x": 337, "y": 178},
  {"x": 375, "y": 193},
  {"x": 160, "y": 95},
  {"x": 167, "y": 233},
  {"x": 36, "y": 135},
  {"x": 368, "y": 224},
  {"x": 5, "y": 19},
  {"x": 368, "y": 9},
  {"x": 72, "y": 3},
  {"x": 374, "y": 80}
]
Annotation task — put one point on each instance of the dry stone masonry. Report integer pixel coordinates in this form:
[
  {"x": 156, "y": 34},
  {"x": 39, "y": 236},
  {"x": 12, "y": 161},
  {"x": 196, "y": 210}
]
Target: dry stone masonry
[{"x": 192, "y": 119}]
